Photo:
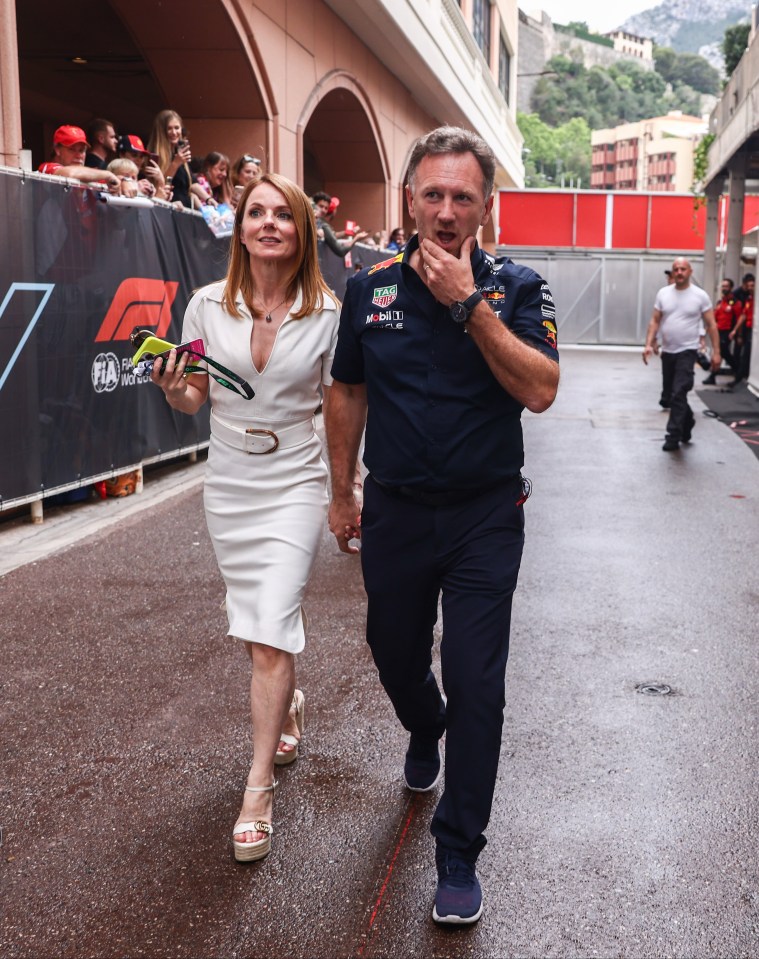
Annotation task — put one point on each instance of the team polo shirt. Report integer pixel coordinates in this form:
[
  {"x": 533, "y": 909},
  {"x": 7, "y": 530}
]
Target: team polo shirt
[
  {"x": 438, "y": 419},
  {"x": 727, "y": 311}
]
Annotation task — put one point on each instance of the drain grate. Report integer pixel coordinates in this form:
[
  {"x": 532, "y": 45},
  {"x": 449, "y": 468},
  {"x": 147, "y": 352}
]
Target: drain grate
[{"x": 654, "y": 689}]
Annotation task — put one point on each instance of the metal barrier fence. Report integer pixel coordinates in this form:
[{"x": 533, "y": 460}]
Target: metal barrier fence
[{"x": 601, "y": 298}]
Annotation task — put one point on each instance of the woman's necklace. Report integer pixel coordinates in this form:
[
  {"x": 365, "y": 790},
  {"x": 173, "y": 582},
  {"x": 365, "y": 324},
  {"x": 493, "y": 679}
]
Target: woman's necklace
[{"x": 268, "y": 313}]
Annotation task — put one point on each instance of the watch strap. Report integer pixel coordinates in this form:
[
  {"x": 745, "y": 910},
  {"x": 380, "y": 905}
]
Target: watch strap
[{"x": 471, "y": 301}]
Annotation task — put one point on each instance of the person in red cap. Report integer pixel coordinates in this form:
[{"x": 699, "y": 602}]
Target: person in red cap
[
  {"x": 151, "y": 182},
  {"x": 102, "y": 137},
  {"x": 69, "y": 152}
]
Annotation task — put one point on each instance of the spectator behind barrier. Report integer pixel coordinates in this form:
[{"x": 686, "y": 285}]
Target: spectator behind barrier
[
  {"x": 151, "y": 180},
  {"x": 69, "y": 151},
  {"x": 324, "y": 209},
  {"x": 215, "y": 169},
  {"x": 102, "y": 137},
  {"x": 168, "y": 140},
  {"x": 397, "y": 240},
  {"x": 246, "y": 169},
  {"x": 127, "y": 171}
]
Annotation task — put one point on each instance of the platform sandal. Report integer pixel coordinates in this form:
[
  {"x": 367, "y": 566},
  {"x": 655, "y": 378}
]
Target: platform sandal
[
  {"x": 251, "y": 851},
  {"x": 282, "y": 758}
]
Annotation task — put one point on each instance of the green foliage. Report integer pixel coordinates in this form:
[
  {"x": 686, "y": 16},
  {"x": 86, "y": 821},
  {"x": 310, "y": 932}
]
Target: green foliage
[
  {"x": 622, "y": 93},
  {"x": 701, "y": 160},
  {"x": 551, "y": 153},
  {"x": 734, "y": 45},
  {"x": 580, "y": 29},
  {"x": 686, "y": 68}
]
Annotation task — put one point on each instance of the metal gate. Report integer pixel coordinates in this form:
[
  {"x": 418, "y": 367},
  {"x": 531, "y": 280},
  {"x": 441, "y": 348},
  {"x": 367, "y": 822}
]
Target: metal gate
[{"x": 601, "y": 298}]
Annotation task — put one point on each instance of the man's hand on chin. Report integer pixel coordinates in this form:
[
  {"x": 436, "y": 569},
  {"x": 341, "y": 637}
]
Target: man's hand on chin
[{"x": 448, "y": 277}]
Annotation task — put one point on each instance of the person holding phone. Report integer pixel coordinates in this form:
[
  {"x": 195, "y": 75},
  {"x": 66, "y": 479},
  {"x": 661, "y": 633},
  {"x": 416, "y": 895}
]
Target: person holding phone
[
  {"x": 247, "y": 168},
  {"x": 174, "y": 154},
  {"x": 273, "y": 321}
]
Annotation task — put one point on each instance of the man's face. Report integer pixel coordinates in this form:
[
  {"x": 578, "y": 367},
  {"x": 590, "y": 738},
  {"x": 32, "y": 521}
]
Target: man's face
[
  {"x": 748, "y": 286},
  {"x": 681, "y": 273},
  {"x": 71, "y": 156},
  {"x": 108, "y": 139},
  {"x": 321, "y": 208},
  {"x": 448, "y": 202},
  {"x": 726, "y": 289}
]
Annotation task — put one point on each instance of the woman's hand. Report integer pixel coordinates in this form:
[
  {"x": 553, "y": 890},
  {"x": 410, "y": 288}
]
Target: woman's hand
[
  {"x": 169, "y": 374},
  {"x": 183, "y": 155}
]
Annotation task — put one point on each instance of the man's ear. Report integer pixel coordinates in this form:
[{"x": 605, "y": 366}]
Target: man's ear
[
  {"x": 410, "y": 202},
  {"x": 488, "y": 210}
]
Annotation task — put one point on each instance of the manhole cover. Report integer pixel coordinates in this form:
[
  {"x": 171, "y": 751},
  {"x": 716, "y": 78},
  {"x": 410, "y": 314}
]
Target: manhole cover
[{"x": 654, "y": 689}]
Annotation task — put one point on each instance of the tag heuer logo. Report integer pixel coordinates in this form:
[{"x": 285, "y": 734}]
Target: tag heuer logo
[{"x": 384, "y": 296}]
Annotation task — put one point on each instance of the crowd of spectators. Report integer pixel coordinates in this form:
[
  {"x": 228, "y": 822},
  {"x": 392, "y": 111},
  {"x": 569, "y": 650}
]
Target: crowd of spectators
[{"x": 166, "y": 170}]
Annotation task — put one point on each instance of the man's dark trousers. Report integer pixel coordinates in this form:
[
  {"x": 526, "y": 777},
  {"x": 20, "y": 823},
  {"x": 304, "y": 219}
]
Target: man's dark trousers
[
  {"x": 470, "y": 551},
  {"x": 726, "y": 350},
  {"x": 679, "y": 366}
]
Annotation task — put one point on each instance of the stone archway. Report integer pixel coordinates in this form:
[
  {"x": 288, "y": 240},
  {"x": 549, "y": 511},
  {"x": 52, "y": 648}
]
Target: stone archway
[
  {"x": 137, "y": 57},
  {"x": 341, "y": 152}
]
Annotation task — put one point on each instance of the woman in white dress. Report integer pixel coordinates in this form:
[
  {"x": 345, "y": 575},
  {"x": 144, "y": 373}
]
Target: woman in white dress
[{"x": 274, "y": 322}]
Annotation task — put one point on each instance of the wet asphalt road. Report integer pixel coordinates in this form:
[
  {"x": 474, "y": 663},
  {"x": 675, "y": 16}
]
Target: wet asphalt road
[{"x": 624, "y": 824}]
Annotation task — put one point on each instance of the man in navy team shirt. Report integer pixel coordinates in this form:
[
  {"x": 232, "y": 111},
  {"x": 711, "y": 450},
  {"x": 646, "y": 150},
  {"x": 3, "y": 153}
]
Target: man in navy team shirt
[{"x": 439, "y": 351}]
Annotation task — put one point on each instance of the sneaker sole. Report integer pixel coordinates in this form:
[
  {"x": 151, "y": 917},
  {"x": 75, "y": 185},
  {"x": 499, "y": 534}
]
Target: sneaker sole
[
  {"x": 456, "y": 920},
  {"x": 426, "y": 789}
]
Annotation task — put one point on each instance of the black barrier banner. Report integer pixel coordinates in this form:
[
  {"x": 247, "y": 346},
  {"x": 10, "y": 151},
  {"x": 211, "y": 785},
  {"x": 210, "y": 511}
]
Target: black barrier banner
[{"x": 79, "y": 274}]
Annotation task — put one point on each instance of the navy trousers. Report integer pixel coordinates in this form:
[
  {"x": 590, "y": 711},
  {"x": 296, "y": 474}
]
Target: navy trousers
[
  {"x": 679, "y": 367},
  {"x": 470, "y": 553}
]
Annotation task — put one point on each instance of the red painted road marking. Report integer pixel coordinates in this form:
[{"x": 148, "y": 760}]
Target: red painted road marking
[{"x": 378, "y": 904}]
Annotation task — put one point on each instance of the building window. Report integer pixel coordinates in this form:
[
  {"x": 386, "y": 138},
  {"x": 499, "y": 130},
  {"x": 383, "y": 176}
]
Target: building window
[
  {"x": 504, "y": 69},
  {"x": 481, "y": 26}
]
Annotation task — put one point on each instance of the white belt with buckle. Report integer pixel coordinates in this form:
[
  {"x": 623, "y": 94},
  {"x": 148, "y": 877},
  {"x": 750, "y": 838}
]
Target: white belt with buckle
[{"x": 260, "y": 439}]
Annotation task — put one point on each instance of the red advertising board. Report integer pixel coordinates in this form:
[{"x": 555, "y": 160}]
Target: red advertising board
[{"x": 605, "y": 219}]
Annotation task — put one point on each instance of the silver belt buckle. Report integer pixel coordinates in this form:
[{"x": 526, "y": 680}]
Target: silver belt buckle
[{"x": 259, "y": 441}]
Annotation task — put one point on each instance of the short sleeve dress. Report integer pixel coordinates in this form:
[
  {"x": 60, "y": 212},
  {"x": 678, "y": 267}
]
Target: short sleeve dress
[{"x": 265, "y": 511}]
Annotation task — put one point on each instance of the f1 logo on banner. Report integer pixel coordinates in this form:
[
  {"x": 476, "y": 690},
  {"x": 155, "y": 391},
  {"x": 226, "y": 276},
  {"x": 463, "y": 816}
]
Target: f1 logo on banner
[{"x": 139, "y": 301}]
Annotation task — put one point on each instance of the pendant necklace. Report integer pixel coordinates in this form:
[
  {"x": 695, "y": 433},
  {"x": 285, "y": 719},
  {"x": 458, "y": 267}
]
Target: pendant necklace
[{"x": 268, "y": 313}]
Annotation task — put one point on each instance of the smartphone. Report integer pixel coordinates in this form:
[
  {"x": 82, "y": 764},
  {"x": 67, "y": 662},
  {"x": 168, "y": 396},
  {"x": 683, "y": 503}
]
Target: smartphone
[{"x": 152, "y": 347}]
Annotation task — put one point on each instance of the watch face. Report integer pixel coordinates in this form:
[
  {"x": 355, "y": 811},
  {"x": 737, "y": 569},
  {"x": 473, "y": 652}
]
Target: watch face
[{"x": 459, "y": 312}]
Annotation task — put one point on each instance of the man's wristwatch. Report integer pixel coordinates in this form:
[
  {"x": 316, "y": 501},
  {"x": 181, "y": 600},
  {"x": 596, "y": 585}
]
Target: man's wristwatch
[{"x": 460, "y": 310}]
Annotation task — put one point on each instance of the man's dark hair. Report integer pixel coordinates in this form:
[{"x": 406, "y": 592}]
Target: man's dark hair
[
  {"x": 98, "y": 125},
  {"x": 453, "y": 140},
  {"x": 321, "y": 195},
  {"x": 726, "y": 279},
  {"x": 747, "y": 276}
]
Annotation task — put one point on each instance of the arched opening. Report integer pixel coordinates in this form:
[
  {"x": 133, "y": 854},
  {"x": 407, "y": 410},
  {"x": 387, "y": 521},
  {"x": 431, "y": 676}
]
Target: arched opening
[
  {"x": 342, "y": 155},
  {"x": 134, "y": 58}
]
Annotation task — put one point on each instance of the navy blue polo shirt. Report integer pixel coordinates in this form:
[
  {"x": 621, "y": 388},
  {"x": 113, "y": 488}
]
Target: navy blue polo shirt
[{"x": 438, "y": 419}]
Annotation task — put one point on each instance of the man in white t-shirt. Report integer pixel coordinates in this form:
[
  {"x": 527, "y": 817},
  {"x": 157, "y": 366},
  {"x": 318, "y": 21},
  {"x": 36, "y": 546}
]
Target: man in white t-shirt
[{"x": 678, "y": 311}]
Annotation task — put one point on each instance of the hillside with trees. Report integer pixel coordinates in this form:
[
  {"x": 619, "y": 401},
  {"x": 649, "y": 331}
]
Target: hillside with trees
[
  {"x": 572, "y": 99},
  {"x": 624, "y": 92}
]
